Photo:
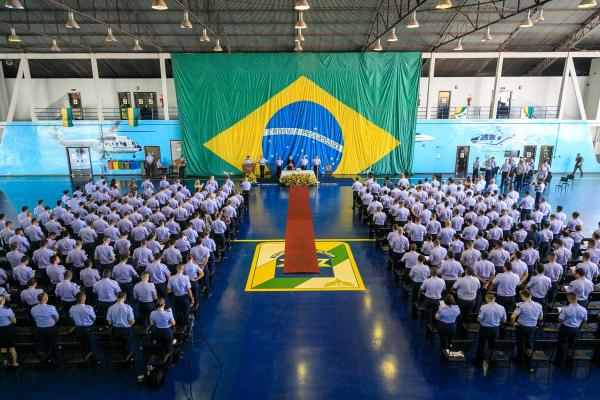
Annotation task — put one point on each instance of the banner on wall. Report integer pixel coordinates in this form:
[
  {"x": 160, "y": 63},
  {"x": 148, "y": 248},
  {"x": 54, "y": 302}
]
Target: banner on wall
[{"x": 356, "y": 111}]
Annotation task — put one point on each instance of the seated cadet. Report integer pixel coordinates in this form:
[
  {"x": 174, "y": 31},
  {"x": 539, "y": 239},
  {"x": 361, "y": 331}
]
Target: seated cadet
[
  {"x": 539, "y": 285},
  {"x": 527, "y": 315},
  {"x": 446, "y": 326},
  {"x": 570, "y": 317},
  {"x": 505, "y": 284},
  {"x": 145, "y": 293},
  {"x": 162, "y": 322},
  {"x": 106, "y": 291},
  {"x": 67, "y": 291},
  {"x": 432, "y": 289},
  {"x": 46, "y": 317},
  {"x": 120, "y": 317},
  {"x": 491, "y": 315},
  {"x": 124, "y": 274},
  {"x": 83, "y": 316},
  {"x": 7, "y": 332},
  {"x": 180, "y": 287},
  {"x": 581, "y": 286}
]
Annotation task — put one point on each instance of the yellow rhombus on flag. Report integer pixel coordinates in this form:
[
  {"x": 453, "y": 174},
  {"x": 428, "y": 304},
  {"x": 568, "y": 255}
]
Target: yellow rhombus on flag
[{"x": 364, "y": 142}]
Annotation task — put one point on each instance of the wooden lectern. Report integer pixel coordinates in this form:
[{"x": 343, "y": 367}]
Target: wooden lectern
[{"x": 249, "y": 168}]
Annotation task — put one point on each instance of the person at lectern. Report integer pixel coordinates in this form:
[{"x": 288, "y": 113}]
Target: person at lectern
[
  {"x": 290, "y": 163},
  {"x": 181, "y": 163},
  {"x": 261, "y": 165},
  {"x": 278, "y": 165},
  {"x": 248, "y": 160},
  {"x": 304, "y": 162}
]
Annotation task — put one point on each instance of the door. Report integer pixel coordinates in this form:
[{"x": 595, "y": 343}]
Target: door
[
  {"x": 124, "y": 104},
  {"x": 546, "y": 153},
  {"x": 461, "y": 166},
  {"x": 146, "y": 102},
  {"x": 443, "y": 107},
  {"x": 75, "y": 104},
  {"x": 529, "y": 151},
  {"x": 504, "y": 103},
  {"x": 175, "y": 150},
  {"x": 79, "y": 161}
]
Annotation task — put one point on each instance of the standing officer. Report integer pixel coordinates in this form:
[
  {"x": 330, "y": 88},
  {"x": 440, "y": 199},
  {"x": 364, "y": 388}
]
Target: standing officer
[
  {"x": 124, "y": 274},
  {"x": 446, "y": 317},
  {"x": 145, "y": 293},
  {"x": 526, "y": 316},
  {"x": 120, "y": 317},
  {"x": 180, "y": 286},
  {"x": 278, "y": 166},
  {"x": 570, "y": 317},
  {"x": 162, "y": 321},
  {"x": 67, "y": 291},
  {"x": 506, "y": 287},
  {"x": 491, "y": 315},
  {"x": 578, "y": 164},
  {"x": 83, "y": 316},
  {"x": 106, "y": 290},
  {"x": 466, "y": 291},
  {"x": 159, "y": 274},
  {"x": 475, "y": 169},
  {"x": 432, "y": 288},
  {"x": 316, "y": 162},
  {"x": 45, "y": 317},
  {"x": 262, "y": 162}
]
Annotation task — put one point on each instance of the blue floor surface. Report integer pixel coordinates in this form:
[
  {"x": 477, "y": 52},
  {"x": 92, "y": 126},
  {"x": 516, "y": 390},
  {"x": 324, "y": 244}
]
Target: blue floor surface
[{"x": 302, "y": 345}]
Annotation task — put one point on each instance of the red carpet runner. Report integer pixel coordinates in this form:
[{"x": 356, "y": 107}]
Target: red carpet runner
[{"x": 300, "y": 250}]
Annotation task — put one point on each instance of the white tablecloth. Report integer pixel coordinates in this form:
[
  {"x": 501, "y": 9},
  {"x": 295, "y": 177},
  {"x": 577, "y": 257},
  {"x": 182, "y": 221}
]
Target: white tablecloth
[{"x": 305, "y": 172}]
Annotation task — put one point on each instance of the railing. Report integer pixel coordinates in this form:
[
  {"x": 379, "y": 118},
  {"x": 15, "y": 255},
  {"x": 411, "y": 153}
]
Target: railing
[
  {"x": 483, "y": 112},
  {"x": 111, "y": 114}
]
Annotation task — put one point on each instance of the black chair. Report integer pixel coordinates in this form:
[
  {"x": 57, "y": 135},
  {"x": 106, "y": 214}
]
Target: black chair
[
  {"x": 471, "y": 325},
  {"x": 501, "y": 354},
  {"x": 594, "y": 301},
  {"x": 458, "y": 355},
  {"x": 28, "y": 355},
  {"x": 550, "y": 325},
  {"x": 115, "y": 353},
  {"x": 590, "y": 327},
  {"x": 542, "y": 354},
  {"x": 74, "y": 353},
  {"x": 582, "y": 353}
]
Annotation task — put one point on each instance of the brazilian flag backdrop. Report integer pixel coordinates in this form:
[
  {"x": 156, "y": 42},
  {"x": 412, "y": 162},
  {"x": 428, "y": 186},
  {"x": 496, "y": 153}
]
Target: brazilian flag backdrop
[{"x": 355, "y": 111}]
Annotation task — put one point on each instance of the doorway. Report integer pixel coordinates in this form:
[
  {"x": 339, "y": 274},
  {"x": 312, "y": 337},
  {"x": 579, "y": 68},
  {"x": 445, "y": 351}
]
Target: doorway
[
  {"x": 443, "y": 107},
  {"x": 504, "y": 103},
  {"x": 461, "y": 165},
  {"x": 546, "y": 153},
  {"x": 124, "y": 104},
  {"x": 146, "y": 102},
  {"x": 80, "y": 162}
]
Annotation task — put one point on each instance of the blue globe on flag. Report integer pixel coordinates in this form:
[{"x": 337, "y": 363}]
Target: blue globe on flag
[{"x": 304, "y": 128}]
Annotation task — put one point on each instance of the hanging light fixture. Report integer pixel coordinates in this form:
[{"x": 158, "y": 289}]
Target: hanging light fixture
[
  {"x": 54, "y": 46},
  {"x": 443, "y": 4},
  {"x": 13, "y": 4},
  {"x": 299, "y": 37},
  {"x": 392, "y": 37},
  {"x": 217, "y": 47},
  {"x": 300, "y": 24},
  {"x": 413, "y": 23},
  {"x": 136, "y": 46},
  {"x": 204, "y": 37},
  {"x": 540, "y": 17},
  {"x": 487, "y": 37},
  {"x": 13, "y": 37},
  {"x": 71, "y": 23},
  {"x": 185, "y": 22},
  {"x": 459, "y": 45},
  {"x": 378, "y": 46},
  {"x": 159, "y": 5},
  {"x": 298, "y": 46},
  {"x": 302, "y": 5},
  {"x": 587, "y": 4},
  {"x": 527, "y": 22},
  {"x": 109, "y": 36}
]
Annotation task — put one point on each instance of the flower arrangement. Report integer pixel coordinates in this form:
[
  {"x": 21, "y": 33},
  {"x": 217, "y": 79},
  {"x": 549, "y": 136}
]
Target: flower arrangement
[
  {"x": 299, "y": 180},
  {"x": 251, "y": 177}
]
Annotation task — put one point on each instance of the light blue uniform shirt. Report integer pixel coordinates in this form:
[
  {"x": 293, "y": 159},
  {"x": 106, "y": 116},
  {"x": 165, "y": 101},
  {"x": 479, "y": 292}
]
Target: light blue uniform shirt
[
  {"x": 107, "y": 290},
  {"x": 448, "y": 314},
  {"x": 29, "y": 296},
  {"x": 119, "y": 314},
  {"x": 190, "y": 269},
  {"x": 44, "y": 315},
  {"x": 77, "y": 258},
  {"x": 161, "y": 318},
  {"x": 172, "y": 256},
  {"x": 491, "y": 314},
  {"x": 22, "y": 273},
  {"x": 143, "y": 256},
  {"x": 56, "y": 273},
  {"x": 6, "y": 316},
  {"x": 419, "y": 273},
  {"x": 104, "y": 253},
  {"x": 519, "y": 268},
  {"x": 450, "y": 270},
  {"x": 123, "y": 273},
  {"x": 506, "y": 283},
  {"x": 41, "y": 257},
  {"x": 528, "y": 313},
  {"x": 180, "y": 284},
  {"x": 200, "y": 253},
  {"x": 582, "y": 287},
  {"x": 553, "y": 271},
  {"x": 159, "y": 273},
  {"x": 538, "y": 286},
  {"x": 144, "y": 291},
  {"x": 89, "y": 276},
  {"x": 66, "y": 291},
  {"x": 466, "y": 288},
  {"x": 573, "y": 315},
  {"x": 82, "y": 315},
  {"x": 433, "y": 287}
]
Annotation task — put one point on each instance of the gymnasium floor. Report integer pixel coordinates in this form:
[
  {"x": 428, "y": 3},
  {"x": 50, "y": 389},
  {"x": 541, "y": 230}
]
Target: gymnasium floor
[{"x": 306, "y": 345}]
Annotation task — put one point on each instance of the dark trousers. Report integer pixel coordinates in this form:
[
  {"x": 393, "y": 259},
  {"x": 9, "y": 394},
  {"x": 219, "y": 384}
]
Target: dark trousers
[
  {"x": 127, "y": 287},
  {"x": 431, "y": 308},
  {"x": 261, "y": 168},
  {"x": 578, "y": 167},
  {"x": 103, "y": 307},
  {"x": 161, "y": 289},
  {"x": 446, "y": 332},
  {"x": 125, "y": 335},
  {"x": 164, "y": 336},
  {"x": 487, "y": 337},
  {"x": 144, "y": 310},
  {"x": 508, "y": 302},
  {"x": 566, "y": 340},
  {"x": 524, "y": 336},
  {"x": 181, "y": 308},
  {"x": 316, "y": 171},
  {"x": 504, "y": 180},
  {"x": 544, "y": 250},
  {"x": 86, "y": 336},
  {"x": 47, "y": 341},
  {"x": 278, "y": 172},
  {"x": 466, "y": 308}
]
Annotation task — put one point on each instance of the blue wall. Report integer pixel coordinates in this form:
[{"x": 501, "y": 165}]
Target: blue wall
[{"x": 38, "y": 148}]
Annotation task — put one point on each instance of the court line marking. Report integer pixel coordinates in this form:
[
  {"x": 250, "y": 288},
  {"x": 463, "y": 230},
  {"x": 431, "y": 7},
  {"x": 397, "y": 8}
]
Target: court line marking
[{"x": 316, "y": 240}]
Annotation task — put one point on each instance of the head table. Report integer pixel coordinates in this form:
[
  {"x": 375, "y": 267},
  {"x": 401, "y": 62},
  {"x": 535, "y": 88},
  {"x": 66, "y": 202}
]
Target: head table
[{"x": 300, "y": 172}]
